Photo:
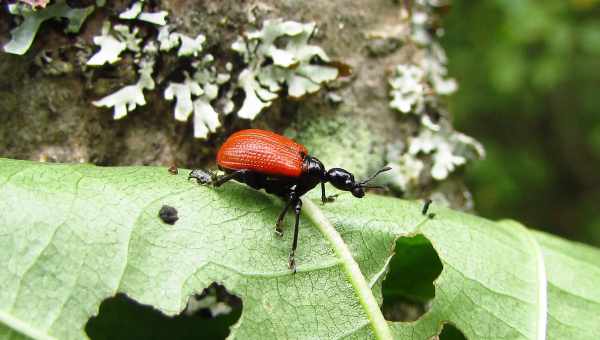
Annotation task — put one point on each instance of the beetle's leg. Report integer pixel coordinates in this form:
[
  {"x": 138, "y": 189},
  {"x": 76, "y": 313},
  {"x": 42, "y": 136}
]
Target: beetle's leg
[
  {"x": 288, "y": 204},
  {"x": 325, "y": 198},
  {"x": 202, "y": 176},
  {"x": 227, "y": 177},
  {"x": 210, "y": 178},
  {"x": 297, "y": 209},
  {"x": 278, "y": 230}
]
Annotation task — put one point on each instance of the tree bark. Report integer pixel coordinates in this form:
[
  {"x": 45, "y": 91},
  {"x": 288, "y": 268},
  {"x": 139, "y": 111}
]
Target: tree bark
[{"x": 47, "y": 115}]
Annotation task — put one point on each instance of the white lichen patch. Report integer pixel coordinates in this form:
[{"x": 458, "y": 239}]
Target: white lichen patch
[
  {"x": 124, "y": 100},
  {"x": 129, "y": 36},
  {"x": 406, "y": 168},
  {"x": 135, "y": 13},
  {"x": 435, "y": 66},
  {"x": 182, "y": 93},
  {"x": 280, "y": 54},
  {"x": 188, "y": 46},
  {"x": 423, "y": 23},
  {"x": 114, "y": 41},
  {"x": 416, "y": 88},
  {"x": 412, "y": 86},
  {"x": 128, "y": 98},
  {"x": 23, "y": 35},
  {"x": 407, "y": 89},
  {"x": 197, "y": 94},
  {"x": 448, "y": 150},
  {"x": 406, "y": 171},
  {"x": 110, "y": 47}
]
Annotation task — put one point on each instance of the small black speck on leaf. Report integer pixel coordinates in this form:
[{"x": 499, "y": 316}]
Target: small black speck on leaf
[
  {"x": 426, "y": 206},
  {"x": 168, "y": 214},
  {"x": 431, "y": 216}
]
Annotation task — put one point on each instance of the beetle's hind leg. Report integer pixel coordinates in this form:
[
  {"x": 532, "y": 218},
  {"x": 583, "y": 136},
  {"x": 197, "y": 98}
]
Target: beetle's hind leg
[
  {"x": 297, "y": 210},
  {"x": 278, "y": 230},
  {"x": 291, "y": 200},
  {"x": 211, "y": 178},
  {"x": 202, "y": 176}
]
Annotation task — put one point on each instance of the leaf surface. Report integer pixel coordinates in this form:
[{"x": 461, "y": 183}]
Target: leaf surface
[{"x": 73, "y": 235}]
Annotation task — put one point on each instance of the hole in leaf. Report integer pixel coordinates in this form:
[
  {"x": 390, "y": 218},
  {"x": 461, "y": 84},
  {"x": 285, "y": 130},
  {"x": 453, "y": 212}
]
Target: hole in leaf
[
  {"x": 450, "y": 332},
  {"x": 408, "y": 287},
  {"x": 207, "y": 316}
]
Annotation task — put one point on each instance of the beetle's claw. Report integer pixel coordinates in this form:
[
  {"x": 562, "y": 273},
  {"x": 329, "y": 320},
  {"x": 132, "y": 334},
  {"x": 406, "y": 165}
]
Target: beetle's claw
[
  {"x": 330, "y": 198},
  {"x": 278, "y": 231},
  {"x": 201, "y": 176},
  {"x": 292, "y": 262}
]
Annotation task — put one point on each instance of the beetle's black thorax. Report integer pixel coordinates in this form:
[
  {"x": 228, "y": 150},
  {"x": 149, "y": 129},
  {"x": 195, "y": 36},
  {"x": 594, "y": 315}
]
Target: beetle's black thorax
[{"x": 313, "y": 172}]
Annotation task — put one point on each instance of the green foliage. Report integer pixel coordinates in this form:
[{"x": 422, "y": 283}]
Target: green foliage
[
  {"x": 73, "y": 235},
  {"x": 528, "y": 73}
]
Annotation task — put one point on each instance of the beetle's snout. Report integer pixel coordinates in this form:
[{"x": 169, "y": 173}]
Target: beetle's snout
[{"x": 358, "y": 191}]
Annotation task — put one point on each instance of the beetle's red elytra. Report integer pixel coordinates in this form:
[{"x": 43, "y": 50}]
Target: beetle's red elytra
[
  {"x": 266, "y": 160},
  {"x": 262, "y": 151}
]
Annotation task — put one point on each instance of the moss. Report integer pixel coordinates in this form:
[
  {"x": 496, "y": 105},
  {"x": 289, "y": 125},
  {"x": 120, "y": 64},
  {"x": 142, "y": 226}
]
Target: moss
[
  {"x": 339, "y": 142},
  {"x": 383, "y": 46}
]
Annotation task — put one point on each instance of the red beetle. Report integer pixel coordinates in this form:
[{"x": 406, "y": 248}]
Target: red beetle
[{"x": 265, "y": 160}]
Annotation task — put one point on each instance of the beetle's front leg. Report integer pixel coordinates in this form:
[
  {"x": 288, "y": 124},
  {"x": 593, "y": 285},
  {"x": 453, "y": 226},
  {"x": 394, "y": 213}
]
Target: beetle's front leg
[{"x": 325, "y": 198}]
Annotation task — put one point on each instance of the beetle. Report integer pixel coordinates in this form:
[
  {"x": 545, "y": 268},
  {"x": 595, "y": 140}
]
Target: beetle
[{"x": 266, "y": 160}]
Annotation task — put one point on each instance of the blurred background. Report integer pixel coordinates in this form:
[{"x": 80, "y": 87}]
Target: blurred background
[{"x": 529, "y": 76}]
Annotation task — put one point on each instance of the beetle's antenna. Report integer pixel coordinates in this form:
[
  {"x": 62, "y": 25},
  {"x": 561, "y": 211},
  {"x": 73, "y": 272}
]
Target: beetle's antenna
[
  {"x": 372, "y": 186},
  {"x": 362, "y": 184}
]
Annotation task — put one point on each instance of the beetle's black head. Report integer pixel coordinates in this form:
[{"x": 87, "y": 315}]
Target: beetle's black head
[{"x": 344, "y": 180}]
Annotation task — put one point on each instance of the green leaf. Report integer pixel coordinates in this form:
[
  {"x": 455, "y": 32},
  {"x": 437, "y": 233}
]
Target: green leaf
[
  {"x": 574, "y": 299},
  {"x": 74, "y": 235}
]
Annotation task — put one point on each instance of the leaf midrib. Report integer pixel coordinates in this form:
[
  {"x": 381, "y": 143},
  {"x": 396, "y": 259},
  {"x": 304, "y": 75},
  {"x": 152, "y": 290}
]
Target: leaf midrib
[{"x": 359, "y": 283}]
